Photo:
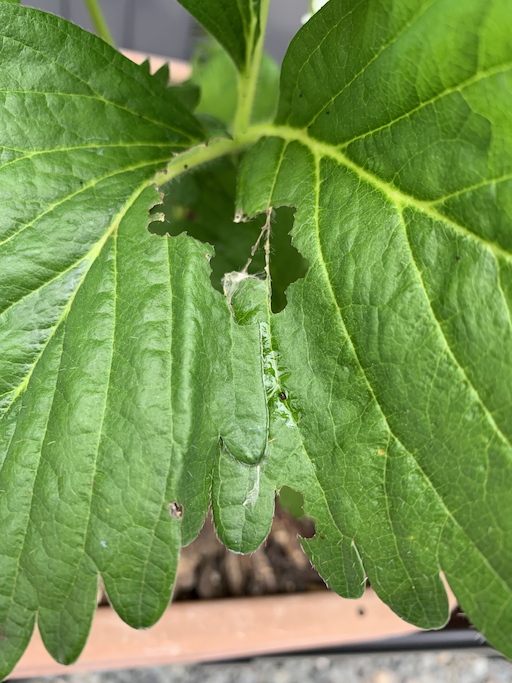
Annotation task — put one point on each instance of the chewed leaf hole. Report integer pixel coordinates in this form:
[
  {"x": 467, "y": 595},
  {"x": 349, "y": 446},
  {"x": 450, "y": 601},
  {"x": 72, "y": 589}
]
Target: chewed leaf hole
[
  {"x": 202, "y": 205},
  {"x": 175, "y": 510},
  {"x": 293, "y": 502}
]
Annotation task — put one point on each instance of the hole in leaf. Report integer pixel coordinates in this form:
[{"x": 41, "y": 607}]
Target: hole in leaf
[
  {"x": 292, "y": 500},
  {"x": 202, "y": 205},
  {"x": 175, "y": 510}
]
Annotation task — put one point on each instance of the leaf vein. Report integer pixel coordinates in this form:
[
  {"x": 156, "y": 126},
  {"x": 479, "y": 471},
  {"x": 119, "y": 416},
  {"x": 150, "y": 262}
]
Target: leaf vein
[
  {"x": 395, "y": 194},
  {"x": 98, "y": 98},
  {"x": 441, "y": 331},
  {"x": 340, "y": 315},
  {"x": 30, "y": 503},
  {"x": 57, "y": 150},
  {"x": 428, "y": 480},
  {"x": 115, "y": 222},
  {"x": 475, "y": 78},
  {"x": 83, "y": 188},
  {"x": 101, "y": 434},
  {"x": 394, "y": 39},
  {"x": 471, "y": 188}
]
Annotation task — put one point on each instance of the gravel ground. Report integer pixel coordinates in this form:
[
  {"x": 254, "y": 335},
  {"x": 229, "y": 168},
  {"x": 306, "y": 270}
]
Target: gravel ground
[{"x": 429, "y": 667}]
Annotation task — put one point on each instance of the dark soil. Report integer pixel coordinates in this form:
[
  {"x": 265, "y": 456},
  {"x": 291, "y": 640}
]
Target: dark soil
[{"x": 208, "y": 570}]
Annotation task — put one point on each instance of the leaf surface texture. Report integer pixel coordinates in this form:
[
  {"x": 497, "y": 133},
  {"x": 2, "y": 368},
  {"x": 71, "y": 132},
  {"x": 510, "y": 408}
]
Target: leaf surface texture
[
  {"x": 132, "y": 392},
  {"x": 394, "y": 142}
]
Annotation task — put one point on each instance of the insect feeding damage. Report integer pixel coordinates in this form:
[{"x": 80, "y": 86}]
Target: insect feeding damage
[
  {"x": 175, "y": 510},
  {"x": 254, "y": 354}
]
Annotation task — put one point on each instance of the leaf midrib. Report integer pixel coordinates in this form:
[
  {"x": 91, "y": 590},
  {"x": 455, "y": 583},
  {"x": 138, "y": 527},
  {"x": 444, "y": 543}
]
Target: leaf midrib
[
  {"x": 60, "y": 150},
  {"x": 448, "y": 512},
  {"x": 83, "y": 188},
  {"x": 396, "y": 195}
]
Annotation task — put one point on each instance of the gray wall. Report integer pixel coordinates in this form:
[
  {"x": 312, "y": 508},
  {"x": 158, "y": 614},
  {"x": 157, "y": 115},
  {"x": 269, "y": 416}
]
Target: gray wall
[{"x": 164, "y": 27}]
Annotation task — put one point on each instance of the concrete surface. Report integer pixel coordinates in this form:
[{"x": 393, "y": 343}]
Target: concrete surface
[{"x": 429, "y": 667}]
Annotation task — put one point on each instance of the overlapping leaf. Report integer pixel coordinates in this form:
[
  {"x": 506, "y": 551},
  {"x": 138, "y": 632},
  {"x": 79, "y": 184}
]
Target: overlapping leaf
[
  {"x": 394, "y": 140},
  {"x": 234, "y": 23}
]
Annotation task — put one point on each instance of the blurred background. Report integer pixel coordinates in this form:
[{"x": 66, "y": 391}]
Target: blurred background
[{"x": 164, "y": 27}]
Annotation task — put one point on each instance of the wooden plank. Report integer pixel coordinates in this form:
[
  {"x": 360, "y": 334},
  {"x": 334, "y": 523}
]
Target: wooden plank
[{"x": 199, "y": 631}]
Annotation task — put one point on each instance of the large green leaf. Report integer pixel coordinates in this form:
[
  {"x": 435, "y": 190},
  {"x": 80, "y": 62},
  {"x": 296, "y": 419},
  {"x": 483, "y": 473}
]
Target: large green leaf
[
  {"x": 380, "y": 392},
  {"x": 394, "y": 142},
  {"x": 118, "y": 360},
  {"x": 100, "y": 332}
]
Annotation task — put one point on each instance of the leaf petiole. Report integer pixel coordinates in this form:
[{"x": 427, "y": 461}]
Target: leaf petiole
[
  {"x": 248, "y": 80},
  {"x": 203, "y": 153},
  {"x": 99, "y": 21}
]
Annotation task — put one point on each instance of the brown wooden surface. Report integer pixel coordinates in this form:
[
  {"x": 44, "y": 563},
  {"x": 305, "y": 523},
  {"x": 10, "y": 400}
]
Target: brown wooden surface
[{"x": 212, "y": 630}]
